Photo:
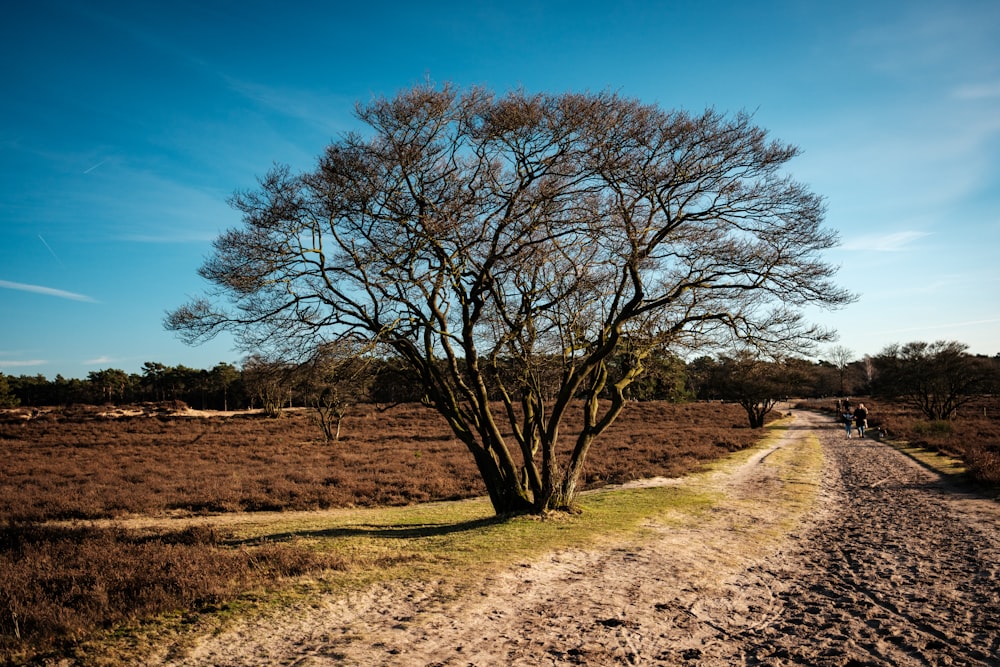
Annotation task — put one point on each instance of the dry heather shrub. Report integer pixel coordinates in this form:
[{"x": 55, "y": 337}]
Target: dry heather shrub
[
  {"x": 984, "y": 464},
  {"x": 149, "y": 465},
  {"x": 973, "y": 436},
  {"x": 62, "y": 584}
]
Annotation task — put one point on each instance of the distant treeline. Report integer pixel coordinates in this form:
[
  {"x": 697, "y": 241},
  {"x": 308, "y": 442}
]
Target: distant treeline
[
  {"x": 223, "y": 387},
  {"x": 256, "y": 382}
]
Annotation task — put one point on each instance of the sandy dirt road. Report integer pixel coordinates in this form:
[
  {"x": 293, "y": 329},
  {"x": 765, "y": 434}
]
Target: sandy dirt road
[{"x": 888, "y": 566}]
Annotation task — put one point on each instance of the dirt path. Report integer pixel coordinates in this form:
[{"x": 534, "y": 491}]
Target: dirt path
[
  {"x": 899, "y": 571},
  {"x": 888, "y": 567}
]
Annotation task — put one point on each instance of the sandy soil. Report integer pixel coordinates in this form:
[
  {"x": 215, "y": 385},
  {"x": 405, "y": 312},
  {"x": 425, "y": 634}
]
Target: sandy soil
[{"x": 888, "y": 567}]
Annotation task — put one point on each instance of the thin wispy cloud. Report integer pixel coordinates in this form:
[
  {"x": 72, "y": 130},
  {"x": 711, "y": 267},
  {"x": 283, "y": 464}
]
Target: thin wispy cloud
[
  {"x": 325, "y": 112},
  {"x": 172, "y": 237},
  {"x": 21, "y": 363},
  {"x": 930, "y": 38},
  {"x": 172, "y": 210},
  {"x": 47, "y": 291},
  {"x": 948, "y": 325},
  {"x": 892, "y": 242},
  {"x": 978, "y": 91}
]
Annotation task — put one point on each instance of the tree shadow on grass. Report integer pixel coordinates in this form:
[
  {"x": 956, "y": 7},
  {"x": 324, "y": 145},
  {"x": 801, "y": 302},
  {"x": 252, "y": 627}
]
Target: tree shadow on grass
[{"x": 383, "y": 531}]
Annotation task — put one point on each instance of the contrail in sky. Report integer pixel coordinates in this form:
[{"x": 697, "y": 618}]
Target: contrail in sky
[
  {"x": 87, "y": 171},
  {"x": 49, "y": 248},
  {"x": 50, "y": 291}
]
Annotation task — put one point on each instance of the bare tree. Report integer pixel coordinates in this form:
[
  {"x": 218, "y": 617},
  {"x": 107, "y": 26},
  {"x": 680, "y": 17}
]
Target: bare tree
[
  {"x": 471, "y": 233},
  {"x": 267, "y": 381},
  {"x": 935, "y": 378},
  {"x": 842, "y": 358},
  {"x": 758, "y": 384},
  {"x": 333, "y": 380},
  {"x": 868, "y": 367}
]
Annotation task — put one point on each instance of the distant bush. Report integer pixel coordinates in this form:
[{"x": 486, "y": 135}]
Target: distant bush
[{"x": 972, "y": 435}]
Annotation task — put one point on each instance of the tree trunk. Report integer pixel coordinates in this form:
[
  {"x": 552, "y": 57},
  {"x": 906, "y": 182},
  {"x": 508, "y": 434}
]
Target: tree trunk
[
  {"x": 755, "y": 413},
  {"x": 506, "y": 493}
]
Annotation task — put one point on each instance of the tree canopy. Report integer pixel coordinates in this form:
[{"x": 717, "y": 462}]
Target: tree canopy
[
  {"x": 935, "y": 378},
  {"x": 511, "y": 249}
]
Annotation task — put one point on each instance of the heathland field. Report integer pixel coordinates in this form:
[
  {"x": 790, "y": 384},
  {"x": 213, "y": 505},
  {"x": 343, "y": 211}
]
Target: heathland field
[
  {"x": 92, "y": 499},
  {"x": 126, "y": 535},
  {"x": 79, "y": 465}
]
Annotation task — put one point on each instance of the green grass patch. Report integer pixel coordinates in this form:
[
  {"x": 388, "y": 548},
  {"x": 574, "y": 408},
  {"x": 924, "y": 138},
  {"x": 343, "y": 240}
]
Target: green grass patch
[
  {"x": 947, "y": 466},
  {"x": 800, "y": 470},
  {"x": 465, "y": 540}
]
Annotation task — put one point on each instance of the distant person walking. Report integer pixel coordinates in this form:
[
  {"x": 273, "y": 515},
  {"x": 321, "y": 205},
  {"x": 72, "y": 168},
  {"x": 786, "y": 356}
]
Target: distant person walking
[
  {"x": 848, "y": 419},
  {"x": 861, "y": 419}
]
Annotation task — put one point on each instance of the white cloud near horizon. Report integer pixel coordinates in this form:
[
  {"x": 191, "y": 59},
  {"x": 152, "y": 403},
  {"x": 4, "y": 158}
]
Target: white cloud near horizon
[
  {"x": 48, "y": 291},
  {"x": 103, "y": 359}
]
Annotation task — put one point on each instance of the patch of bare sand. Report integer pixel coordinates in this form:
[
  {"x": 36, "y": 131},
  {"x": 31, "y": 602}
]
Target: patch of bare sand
[{"x": 887, "y": 567}]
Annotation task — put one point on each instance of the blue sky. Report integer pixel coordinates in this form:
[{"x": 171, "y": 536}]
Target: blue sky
[{"x": 125, "y": 126}]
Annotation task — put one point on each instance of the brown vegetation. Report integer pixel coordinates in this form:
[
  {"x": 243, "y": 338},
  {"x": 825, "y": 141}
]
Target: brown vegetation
[
  {"x": 973, "y": 436},
  {"x": 61, "y": 583},
  {"x": 74, "y": 468}
]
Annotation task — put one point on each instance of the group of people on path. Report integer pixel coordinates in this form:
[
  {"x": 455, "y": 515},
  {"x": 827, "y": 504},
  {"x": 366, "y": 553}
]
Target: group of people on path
[{"x": 858, "y": 419}]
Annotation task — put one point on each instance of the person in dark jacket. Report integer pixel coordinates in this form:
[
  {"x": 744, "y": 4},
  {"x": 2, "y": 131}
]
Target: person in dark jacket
[{"x": 861, "y": 419}]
